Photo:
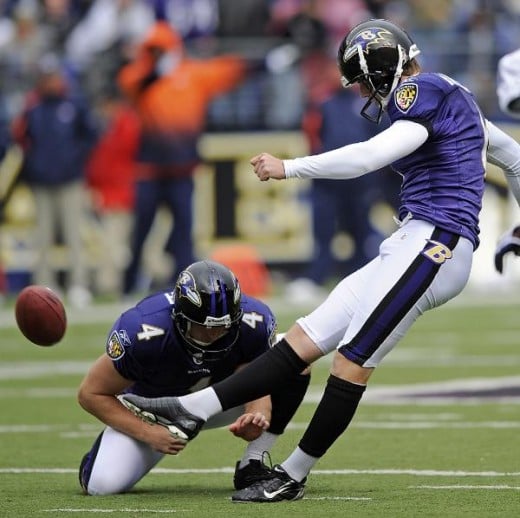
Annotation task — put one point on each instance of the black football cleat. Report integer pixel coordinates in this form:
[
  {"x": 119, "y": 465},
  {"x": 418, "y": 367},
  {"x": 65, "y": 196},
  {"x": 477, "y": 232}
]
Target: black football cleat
[
  {"x": 275, "y": 489},
  {"x": 253, "y": 472},
  {"x": 166, "y": 411}
]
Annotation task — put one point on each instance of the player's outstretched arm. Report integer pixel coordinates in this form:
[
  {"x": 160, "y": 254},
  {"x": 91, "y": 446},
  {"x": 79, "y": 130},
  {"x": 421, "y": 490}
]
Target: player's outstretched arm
[{"x": 350, "y": 161}]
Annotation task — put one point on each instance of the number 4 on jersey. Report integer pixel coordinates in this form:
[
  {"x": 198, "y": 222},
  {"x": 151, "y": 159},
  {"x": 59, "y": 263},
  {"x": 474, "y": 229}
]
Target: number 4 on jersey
[
  {"x": 251, "y": 319},
  {"x": 149, "y": 331}
]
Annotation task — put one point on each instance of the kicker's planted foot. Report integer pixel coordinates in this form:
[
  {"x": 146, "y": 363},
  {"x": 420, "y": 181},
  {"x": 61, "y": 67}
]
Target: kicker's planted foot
[
  {"x": 254, "y": 471},
  {"x": 275, "y": 489}
]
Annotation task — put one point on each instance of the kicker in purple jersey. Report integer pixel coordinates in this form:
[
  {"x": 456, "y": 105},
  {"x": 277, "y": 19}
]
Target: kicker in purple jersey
[
  {"x": 443, "y": 181},
  {"x": 145, "y": 347}
]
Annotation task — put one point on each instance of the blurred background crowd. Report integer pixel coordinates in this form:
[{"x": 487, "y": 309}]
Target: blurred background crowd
[{"x": 113, "y": 110}]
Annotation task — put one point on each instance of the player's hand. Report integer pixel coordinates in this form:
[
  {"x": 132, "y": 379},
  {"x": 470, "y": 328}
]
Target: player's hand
[
  {"x": 160, "y": 439},
  {"x": 509, "y": 242},
  {"x": 267, "y": 166},
  {"x": 249, "y": 426}
]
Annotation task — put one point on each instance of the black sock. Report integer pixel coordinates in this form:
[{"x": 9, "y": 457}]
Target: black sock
[
  {"x": 286, "y": 401},
  {"x": 261, "y": 377},
  {"x": 332, "y": 416}
]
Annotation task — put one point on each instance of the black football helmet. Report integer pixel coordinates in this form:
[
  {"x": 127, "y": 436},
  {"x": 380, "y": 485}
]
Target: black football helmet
[
  {"x": 374, "y": 53},
  {"x": 207, "y": 293}
]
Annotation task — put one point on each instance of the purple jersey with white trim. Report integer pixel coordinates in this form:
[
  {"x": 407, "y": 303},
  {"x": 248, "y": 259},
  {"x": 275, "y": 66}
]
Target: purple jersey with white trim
[
  {"x": 443, "y": 180},
  {"x": 146, "y": 347}
]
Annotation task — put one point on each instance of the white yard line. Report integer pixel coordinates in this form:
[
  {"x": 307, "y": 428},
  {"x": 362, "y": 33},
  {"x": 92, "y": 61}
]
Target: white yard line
[
  {"x": 116, "y": 510},
  {"x": 496, "y": 487},
  {"x": 425, "y": 425},
  {"x": 31, "y": 370},
  {"x": 231, "y": 469},
  {"x": 353, "y": 498},
  {"x": 79, "y": 431}
]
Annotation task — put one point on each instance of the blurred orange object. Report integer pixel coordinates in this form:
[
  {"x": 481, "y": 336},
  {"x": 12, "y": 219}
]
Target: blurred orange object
[{"x": 247, "y": 265}]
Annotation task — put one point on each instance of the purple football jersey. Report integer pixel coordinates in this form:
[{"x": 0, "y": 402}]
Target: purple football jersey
[
  {"x": 146, "y": 347},
  {"x": 443, "y": 181}
]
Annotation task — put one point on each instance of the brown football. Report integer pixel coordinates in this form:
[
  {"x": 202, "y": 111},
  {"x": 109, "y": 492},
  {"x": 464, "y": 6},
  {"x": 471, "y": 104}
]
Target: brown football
[{"x": 40, "y": 315}]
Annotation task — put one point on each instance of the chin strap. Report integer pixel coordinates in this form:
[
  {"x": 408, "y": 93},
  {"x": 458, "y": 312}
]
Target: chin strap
[{"x": 373, "y": 99}]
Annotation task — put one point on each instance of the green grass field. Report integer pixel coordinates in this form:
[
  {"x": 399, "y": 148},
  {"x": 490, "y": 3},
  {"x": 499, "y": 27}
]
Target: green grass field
[{"x": 437, "y": 434}]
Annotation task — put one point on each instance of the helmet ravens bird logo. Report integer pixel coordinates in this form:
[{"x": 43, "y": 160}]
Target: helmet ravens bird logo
[{"x": 188, "y": 288}]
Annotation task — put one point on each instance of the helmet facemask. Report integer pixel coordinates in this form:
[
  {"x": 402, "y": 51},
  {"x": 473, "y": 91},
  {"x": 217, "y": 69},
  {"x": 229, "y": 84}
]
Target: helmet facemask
[
  {"x": 375, "y": 54},
  {"x": 380, "y": 83},
  {"x": 212, "y": 350}
]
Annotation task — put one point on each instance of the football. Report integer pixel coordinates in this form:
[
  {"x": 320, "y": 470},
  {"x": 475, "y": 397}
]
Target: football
[{"x": 40, "y": 315}]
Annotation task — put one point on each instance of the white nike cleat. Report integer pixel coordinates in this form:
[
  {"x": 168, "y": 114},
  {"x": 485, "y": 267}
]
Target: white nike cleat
[{"x": 275, "y": 489}]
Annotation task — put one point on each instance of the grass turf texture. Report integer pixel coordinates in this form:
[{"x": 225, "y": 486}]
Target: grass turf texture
[{"x": 445, "y": 457}]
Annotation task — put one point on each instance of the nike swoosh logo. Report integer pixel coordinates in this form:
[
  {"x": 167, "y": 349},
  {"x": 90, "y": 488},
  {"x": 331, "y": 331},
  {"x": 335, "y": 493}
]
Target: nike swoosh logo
[{"x": 281, "y": 489}]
